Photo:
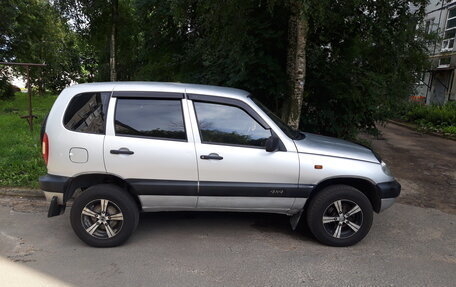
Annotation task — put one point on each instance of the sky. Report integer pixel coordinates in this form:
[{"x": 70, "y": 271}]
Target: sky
[{"x": 18, "y": 81}]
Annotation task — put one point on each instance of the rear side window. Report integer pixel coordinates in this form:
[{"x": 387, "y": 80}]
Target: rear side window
[
  {"x": 86, "y": 113},
  {"x": 154, "y": 118}
]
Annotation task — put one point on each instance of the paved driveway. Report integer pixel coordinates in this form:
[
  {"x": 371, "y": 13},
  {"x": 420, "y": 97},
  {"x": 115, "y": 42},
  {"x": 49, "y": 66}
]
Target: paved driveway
[
  {"x": 407, "y": 246},
  {"x": 424, "y": 164}
]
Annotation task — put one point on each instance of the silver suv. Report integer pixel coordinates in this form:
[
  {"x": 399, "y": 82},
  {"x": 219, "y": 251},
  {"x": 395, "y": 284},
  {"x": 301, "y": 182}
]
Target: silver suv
[{"x": 121, "y": 148}]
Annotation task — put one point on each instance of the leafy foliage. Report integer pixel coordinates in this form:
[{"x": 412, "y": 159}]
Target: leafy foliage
[
  {"x": 91, "y": 21},
  {"x": 6, "y": 89},
  {"x": 363, "y": 59},
  {"x": 232, "y": 43},
  {"x": 449, "y": 130},
  {"x": 36, "y": 33},
  {"x": 363, "y": 56},
  {"x": 437, "y": 118}
]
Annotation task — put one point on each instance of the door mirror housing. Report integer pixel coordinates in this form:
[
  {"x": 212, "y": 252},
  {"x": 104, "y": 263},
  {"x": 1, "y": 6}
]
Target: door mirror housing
[{"x": 272, "y": 144}]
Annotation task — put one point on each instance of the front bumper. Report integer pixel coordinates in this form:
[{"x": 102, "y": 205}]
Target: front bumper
[{"x": 388, "y": 192}]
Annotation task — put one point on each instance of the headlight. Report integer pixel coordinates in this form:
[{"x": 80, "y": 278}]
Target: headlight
[{"x": 385, "y": 169}]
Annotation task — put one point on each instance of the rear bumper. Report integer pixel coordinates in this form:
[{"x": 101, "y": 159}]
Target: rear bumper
[
  {"x": 388, "y": 192},
  {"x": 53, "y": 183},
  {"x": 54, "y": 187}
]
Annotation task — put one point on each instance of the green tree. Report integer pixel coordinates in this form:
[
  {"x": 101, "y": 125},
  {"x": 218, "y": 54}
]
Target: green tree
[
  {"x": 360, "y": 57},
  {"x": 35, "y": 32},
  {"x": 363, "y": 59},
  {"x": 6, "y": 30},
  {"x": 109, "y": 33},
  {"x": 234, "y": 43},
  {"x": 346, "y": 64}
]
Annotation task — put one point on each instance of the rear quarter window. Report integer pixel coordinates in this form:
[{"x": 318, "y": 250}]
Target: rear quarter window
[{"x": 86, "y": 113}]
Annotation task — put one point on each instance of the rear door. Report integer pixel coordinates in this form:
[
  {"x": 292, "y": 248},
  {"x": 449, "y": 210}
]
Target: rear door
[
  {"x": 235, "y": 170},
  {"x": 149, "y": 144}
]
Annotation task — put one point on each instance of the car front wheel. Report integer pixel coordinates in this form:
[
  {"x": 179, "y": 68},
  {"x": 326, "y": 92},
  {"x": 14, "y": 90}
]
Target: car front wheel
[
  {"x": 339, "y": 215},
  {"x": 104, "y": 216}
]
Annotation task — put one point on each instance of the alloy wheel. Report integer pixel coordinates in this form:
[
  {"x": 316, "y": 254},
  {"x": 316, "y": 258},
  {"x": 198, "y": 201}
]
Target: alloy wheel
[
  {"x": 342, "y": 219},
  {"x": 102, "y": 218}
]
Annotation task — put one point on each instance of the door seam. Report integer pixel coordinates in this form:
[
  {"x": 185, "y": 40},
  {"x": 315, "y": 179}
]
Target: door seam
[{"x": 187, "y": 102}]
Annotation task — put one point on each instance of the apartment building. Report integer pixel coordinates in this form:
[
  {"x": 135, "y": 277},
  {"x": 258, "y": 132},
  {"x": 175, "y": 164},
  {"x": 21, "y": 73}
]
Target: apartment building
[{"x": 438, "y": 84}]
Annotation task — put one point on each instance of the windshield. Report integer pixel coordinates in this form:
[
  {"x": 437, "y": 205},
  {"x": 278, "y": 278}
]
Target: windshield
[{"x": 291, "y": 133}]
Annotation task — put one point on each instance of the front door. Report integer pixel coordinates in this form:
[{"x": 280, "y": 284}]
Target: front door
[
  {"x": 235, "y": 170},
  {"x": 149, "y": 145}
]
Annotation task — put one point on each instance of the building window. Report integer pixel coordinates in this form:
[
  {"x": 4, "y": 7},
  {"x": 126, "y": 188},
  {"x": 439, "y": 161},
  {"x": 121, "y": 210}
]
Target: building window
[
  {"x": 450, "y": 31},
  {"x": 444, "y": 62},
  {"x": 428, "y": 26}
]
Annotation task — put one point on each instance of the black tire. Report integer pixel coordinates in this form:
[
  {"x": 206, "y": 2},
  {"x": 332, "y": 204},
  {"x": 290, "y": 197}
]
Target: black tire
[
  {"x": 111, "y": 228},
  {"x": 340, "y": 229}
]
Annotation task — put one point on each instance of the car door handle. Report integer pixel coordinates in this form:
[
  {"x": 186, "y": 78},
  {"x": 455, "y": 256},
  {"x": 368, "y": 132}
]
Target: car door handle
[
  {"x": 121, "y": 151},
  {"x": 211, "y": 156}
]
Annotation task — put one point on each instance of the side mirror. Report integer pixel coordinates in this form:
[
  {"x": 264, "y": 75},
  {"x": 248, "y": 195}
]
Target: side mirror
[{"x": 272, "y": 144}]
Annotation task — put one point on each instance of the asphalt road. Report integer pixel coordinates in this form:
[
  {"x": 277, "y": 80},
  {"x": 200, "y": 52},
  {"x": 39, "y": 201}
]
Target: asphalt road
[
  {"x": 407, "y": 246},
  {"x": 424, "y": 164}
]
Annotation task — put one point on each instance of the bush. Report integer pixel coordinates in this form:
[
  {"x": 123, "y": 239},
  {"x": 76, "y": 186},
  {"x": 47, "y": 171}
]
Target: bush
[
  {"x": 6, "y": 90},
  {"x": 16, "y": 89},
  {"x": 436, "y": 115},
  {"x": 449, "y": 130},
  {"x": 431, "y": 117}
]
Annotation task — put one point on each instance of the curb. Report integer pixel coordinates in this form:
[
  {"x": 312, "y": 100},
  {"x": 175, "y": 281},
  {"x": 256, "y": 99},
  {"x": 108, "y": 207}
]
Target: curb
[
  {"x": 21, "y": 192},
  {"x": 415, "y": 128}
]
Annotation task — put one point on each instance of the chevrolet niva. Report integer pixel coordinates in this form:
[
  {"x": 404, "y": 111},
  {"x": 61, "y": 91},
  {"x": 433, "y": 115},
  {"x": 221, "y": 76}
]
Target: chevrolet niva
[{"x": 122, "y": 148}]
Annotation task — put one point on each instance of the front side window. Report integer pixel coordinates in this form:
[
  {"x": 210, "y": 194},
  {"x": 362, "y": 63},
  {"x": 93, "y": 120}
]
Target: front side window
[
  {"x": 222, "y": 124},
  {"x": 291, "y": 133},
  {"x": 154, "y": 118},
  {"x": 86, "y": 113}
]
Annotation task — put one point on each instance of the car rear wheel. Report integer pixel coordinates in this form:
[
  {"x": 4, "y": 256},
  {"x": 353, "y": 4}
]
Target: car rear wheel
[
  {"x": 339, "y": 215},
  {"x": 104, "y": 216}
]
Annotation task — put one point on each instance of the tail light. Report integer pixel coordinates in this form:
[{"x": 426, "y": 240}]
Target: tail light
[{"x": 45, "y": 148}]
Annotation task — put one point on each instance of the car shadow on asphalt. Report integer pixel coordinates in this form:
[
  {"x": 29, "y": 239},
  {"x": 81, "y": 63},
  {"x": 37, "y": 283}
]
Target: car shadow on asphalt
[{"x": 221, "y": 222}]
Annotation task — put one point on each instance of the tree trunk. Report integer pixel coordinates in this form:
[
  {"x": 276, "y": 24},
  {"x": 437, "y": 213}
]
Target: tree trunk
[
  {"x": 112, "y": 58},
  {"x": 41, "y": 89},
  {"x": 296, "y": 63}
]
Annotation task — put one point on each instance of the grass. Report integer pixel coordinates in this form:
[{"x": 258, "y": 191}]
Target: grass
[
  {"x": 20, "y": 149},
  {"x": 441, "y": 119}
]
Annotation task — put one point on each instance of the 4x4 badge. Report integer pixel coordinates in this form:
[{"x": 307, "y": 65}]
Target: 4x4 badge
[{"x": 277, "y": 191}]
